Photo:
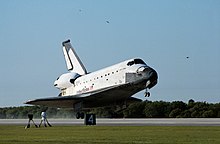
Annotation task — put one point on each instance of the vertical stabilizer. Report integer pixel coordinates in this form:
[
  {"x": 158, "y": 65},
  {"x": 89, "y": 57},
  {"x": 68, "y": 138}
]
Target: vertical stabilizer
[{"x": 74, "y": 64}]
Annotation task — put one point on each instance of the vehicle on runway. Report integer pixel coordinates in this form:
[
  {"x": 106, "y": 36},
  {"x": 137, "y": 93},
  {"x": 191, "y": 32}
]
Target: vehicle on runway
[{"x": 114, "y": 85}]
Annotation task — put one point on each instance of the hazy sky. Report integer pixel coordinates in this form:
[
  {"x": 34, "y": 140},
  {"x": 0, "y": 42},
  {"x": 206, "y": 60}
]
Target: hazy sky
[{"x": 162, "y": 33}]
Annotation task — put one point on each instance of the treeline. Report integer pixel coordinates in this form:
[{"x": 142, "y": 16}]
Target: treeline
[
  {"x": 162, "y": 109},
  {"x": 176, "y": 109},
  {"x": 145, "y": 109}
]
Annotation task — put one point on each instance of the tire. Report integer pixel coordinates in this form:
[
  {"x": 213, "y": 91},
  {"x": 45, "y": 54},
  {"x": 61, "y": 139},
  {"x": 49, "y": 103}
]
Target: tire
[
  {"x": 82, "y": 115},
  {"x": 78, "y": 115}
]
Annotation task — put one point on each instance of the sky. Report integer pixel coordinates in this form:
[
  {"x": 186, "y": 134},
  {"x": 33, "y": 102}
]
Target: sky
[{"x": 162, "y": 33}]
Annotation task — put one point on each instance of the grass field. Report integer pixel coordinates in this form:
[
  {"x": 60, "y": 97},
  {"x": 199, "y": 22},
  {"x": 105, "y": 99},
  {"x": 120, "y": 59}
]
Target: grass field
[{"x": 109, "y": 134}]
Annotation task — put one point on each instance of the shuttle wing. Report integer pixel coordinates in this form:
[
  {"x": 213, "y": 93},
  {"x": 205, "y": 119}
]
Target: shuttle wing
[
  {"x": 73, "y": 62},
  {"x": 60, "y": 102},
  {"x": 99, "y": 98}
]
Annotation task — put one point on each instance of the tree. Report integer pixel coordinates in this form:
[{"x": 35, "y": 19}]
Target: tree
[
  {"x": 191, "y": 103},
  {"x": 186, "y": 114},
  {"x": 157, "y": 109},
  {"x": 175, "y": 113},
  {"x": 178, "y": 105},
  {"x": 12, "y": 113},
  {"x": 216, "y": 109},
  {"x": 135, "y": 110},
  {"x": 2, "y": 113},
  {"x": 198, "y": 109},
  {"x": 208, "y": 114}
]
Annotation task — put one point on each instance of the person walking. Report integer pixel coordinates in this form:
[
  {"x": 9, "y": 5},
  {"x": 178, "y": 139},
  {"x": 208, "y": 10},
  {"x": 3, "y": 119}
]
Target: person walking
[{"x": 44, "y": 119}]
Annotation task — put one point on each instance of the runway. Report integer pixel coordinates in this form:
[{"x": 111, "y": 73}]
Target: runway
[{"x": 125, "y": 122}]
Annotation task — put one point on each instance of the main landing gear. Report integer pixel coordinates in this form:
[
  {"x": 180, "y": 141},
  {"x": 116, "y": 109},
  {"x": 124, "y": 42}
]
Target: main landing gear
[{"x": 80, "y": 115}]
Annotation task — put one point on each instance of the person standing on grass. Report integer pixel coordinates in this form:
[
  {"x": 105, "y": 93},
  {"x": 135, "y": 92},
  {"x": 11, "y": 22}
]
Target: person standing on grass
[{"x": 44, "y": 119}]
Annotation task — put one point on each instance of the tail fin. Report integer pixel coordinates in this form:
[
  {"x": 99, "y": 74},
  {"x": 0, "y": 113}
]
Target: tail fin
[{"x": 74, "y": 64}]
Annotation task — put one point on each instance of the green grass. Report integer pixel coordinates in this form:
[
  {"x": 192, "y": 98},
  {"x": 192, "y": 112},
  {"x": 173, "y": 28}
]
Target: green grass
[{"x": 110, "y": 134}]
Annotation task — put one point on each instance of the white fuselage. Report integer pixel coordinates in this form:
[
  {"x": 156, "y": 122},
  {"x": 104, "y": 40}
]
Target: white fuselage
[{"x": 104, "y": 78}]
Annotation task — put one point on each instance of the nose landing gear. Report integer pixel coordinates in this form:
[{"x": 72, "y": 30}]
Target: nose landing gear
[{"x": 147, "y": 94}]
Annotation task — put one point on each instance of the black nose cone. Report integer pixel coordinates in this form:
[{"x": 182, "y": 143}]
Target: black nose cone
[{"x": 153, "y": 77}]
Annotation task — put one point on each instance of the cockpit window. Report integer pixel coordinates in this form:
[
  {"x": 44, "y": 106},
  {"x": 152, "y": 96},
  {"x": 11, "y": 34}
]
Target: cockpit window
[
  {"x": 130, "y": 63},
  {"x": 136, "y": 61},
  {"x": 139, "y": 61}
]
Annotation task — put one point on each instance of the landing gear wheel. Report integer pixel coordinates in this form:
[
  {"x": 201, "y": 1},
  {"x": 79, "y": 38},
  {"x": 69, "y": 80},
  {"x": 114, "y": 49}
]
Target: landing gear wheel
[
  {"x": 147, "y": 94},
  {"x": 82, "y": 115}
]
